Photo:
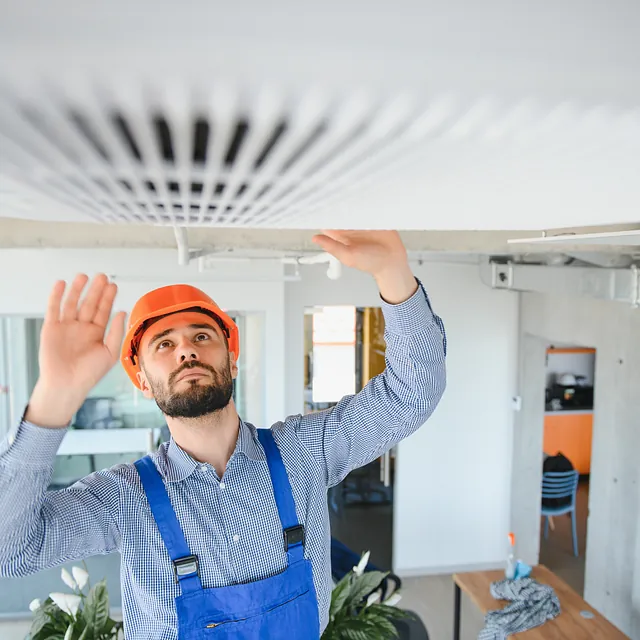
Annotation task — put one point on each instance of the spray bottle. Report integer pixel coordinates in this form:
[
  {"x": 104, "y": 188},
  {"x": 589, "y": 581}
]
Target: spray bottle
[{"x": 510, "y": 572}]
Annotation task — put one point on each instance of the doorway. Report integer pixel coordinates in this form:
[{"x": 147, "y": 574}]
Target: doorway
[
  {"x": 344, "y": 349},
  {"x": 567, "y": 443}
]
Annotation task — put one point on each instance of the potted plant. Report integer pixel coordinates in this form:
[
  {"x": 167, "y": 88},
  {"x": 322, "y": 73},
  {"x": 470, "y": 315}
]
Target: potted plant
[
  {"x": 357, "y": 612},
  {"x": 77, "y": 615}
]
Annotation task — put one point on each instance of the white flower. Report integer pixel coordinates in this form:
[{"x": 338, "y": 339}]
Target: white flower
[
  {"x": 393, "y": 600},
  {"x": 81, "y": 576},
  {"x": 69, "y": 603},
  {"x": 373, "y": 598},
  {"x": 68, "y": 580},
  {"x": 34, "y": 605},
  {"x": 364, "y": 561}
]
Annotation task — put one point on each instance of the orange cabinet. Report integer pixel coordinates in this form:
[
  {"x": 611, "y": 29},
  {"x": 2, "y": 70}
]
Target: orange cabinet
[{"x": 570, "y": 433}]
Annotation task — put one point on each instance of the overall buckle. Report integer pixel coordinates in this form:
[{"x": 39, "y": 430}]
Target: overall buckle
[
  {"x": 185, "y": 567},
  {"x": 293, "y": 536}
]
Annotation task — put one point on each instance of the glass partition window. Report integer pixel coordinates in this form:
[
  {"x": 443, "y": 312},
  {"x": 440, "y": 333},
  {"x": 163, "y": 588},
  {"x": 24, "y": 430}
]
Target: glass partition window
[
  {"x": 334, "y": 356},
  {"x": 114, "y": 403},
  {"x": 344, "y": 348},
  {"x": 330, "y": 355}
]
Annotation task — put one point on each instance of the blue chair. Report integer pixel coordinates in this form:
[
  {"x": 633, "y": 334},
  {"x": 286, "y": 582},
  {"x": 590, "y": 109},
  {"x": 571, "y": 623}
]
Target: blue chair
[{"x": 561, "y": 486}]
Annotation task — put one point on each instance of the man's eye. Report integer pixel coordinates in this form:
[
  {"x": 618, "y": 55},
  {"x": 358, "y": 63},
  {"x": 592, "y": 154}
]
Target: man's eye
[
  {"x": 164, "y": 343},
  {"x": 202, "y": 336}
]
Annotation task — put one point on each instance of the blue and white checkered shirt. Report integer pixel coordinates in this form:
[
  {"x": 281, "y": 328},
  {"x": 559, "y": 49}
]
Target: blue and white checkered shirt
[{"x": 232, "y": 524}]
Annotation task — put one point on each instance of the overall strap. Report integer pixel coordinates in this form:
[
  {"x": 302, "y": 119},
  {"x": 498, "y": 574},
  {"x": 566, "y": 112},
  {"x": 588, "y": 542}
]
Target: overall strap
[
  {"x": 293, "y": 531},
  {"x": 185, "y": 564}
]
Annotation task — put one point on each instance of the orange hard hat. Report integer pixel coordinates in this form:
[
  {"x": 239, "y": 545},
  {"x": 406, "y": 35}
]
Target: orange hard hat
[{"x": 162, "y": 302}]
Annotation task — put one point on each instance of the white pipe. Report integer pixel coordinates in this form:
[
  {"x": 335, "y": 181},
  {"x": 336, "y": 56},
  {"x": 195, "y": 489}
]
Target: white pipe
[
  {"x": 318, "y": 258},
  {"x": 183, "y": 246},
  {"x": 335, "y": 269}
]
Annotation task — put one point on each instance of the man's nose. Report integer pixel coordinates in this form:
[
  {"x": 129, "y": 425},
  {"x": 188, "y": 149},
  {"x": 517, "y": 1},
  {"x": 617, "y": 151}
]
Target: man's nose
[{"x": 186, "y": 350}]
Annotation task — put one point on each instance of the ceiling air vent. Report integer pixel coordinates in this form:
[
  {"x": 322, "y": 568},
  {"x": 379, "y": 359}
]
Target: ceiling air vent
[{"x": 203, "y": 162}]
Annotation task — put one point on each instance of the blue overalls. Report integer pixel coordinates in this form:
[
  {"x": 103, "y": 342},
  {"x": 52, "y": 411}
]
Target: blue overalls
[{"x": 283, "y": 606}]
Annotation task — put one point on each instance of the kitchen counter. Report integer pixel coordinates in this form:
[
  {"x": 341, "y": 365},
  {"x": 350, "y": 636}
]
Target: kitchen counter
[
  {"x": 569, "y": 412},
  {"x": 569, "y": 432}
]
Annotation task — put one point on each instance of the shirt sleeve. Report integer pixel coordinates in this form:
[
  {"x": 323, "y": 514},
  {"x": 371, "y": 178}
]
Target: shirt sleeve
[
  {"x": 394, "y": 404},
  {"x": 40, "y": 529}
]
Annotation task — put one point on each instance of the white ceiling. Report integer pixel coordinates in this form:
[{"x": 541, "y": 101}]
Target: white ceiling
[{"x": 489, "y": 116}]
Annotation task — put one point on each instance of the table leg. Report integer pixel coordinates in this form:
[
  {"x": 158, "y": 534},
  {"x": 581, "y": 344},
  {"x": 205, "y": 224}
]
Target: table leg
[{"x": 456, "y": 613}]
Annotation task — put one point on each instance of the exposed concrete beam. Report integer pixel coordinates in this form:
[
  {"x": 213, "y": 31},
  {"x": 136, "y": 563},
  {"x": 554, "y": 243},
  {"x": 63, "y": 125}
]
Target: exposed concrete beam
[
  {"x": 17, "y": 233},
  {"x": 614, "y": 285}
]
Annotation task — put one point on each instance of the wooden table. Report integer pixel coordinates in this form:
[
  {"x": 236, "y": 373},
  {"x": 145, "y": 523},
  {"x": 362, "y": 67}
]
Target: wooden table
[{"x": 571, "y": 624}]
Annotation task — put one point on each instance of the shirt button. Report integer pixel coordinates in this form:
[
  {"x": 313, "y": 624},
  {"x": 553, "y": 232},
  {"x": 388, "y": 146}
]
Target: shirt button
[
  {"x": 203, "y": 468},
  {"x": 236, "y": 538},
  {"x": 222, "y": 485}
]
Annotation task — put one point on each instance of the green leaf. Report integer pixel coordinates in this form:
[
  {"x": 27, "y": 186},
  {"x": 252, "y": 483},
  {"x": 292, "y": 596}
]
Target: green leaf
[
  {"x": 358, "y": 629},
  {"x": 339, "y": 596},
  {"x": 40, "y": 620},
  {"x": 45, "y": 632},
  {"x": 82, "y": 629},
  {"x": 85, "y": 635},
  {"x": 109, "y": 626},
  {"x": 96, "y": 609},
  {"x": 387, "y": 612},
  {"x": 363, "y": 585},
  {"x": 47, "y": 620},
  {"x": 386, "y": 628}
]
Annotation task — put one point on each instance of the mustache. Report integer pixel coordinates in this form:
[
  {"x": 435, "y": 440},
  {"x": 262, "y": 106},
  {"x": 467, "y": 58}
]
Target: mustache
[{"x": 192, "y": 364}]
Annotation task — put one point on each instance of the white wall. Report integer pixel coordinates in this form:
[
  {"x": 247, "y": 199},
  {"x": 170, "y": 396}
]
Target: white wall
[
  {"x": 240, "y": 286},
  {"x": 453, "y": 478},
  {"x": 256, "y": 369}
]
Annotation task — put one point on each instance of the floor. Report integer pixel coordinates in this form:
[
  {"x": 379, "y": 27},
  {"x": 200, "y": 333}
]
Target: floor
[{"x": 431, "y": 597}]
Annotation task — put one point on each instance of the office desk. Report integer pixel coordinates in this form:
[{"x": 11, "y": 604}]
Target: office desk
[{"x": 569, "y": 625}]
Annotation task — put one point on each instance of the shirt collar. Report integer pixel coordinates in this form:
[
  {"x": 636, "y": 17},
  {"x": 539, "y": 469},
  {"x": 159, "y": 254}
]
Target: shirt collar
[{"x": 179, "y": 465}]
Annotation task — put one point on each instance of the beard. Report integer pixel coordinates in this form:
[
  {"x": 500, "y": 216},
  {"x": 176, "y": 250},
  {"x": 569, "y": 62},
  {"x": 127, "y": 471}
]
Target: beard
[{"x": 198, "y": 399}]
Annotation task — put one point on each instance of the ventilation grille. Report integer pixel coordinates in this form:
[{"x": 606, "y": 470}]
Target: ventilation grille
[
  {"x": 213, "y": 162},
  {"x": 165, "y": 155}
]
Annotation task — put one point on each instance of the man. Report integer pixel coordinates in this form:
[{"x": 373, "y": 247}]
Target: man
[{"x": 225, "y": 530}]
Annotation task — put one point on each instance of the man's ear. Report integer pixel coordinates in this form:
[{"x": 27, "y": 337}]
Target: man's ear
[
  {"x": 144, "y": 385},
  {"x": 233, "y": 365}
]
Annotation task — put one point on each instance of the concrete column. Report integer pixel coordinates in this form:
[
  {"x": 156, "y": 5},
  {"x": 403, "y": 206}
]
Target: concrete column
[
  {"x": 612, "y": 579},
  {"x": 527, "y": 449}
]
